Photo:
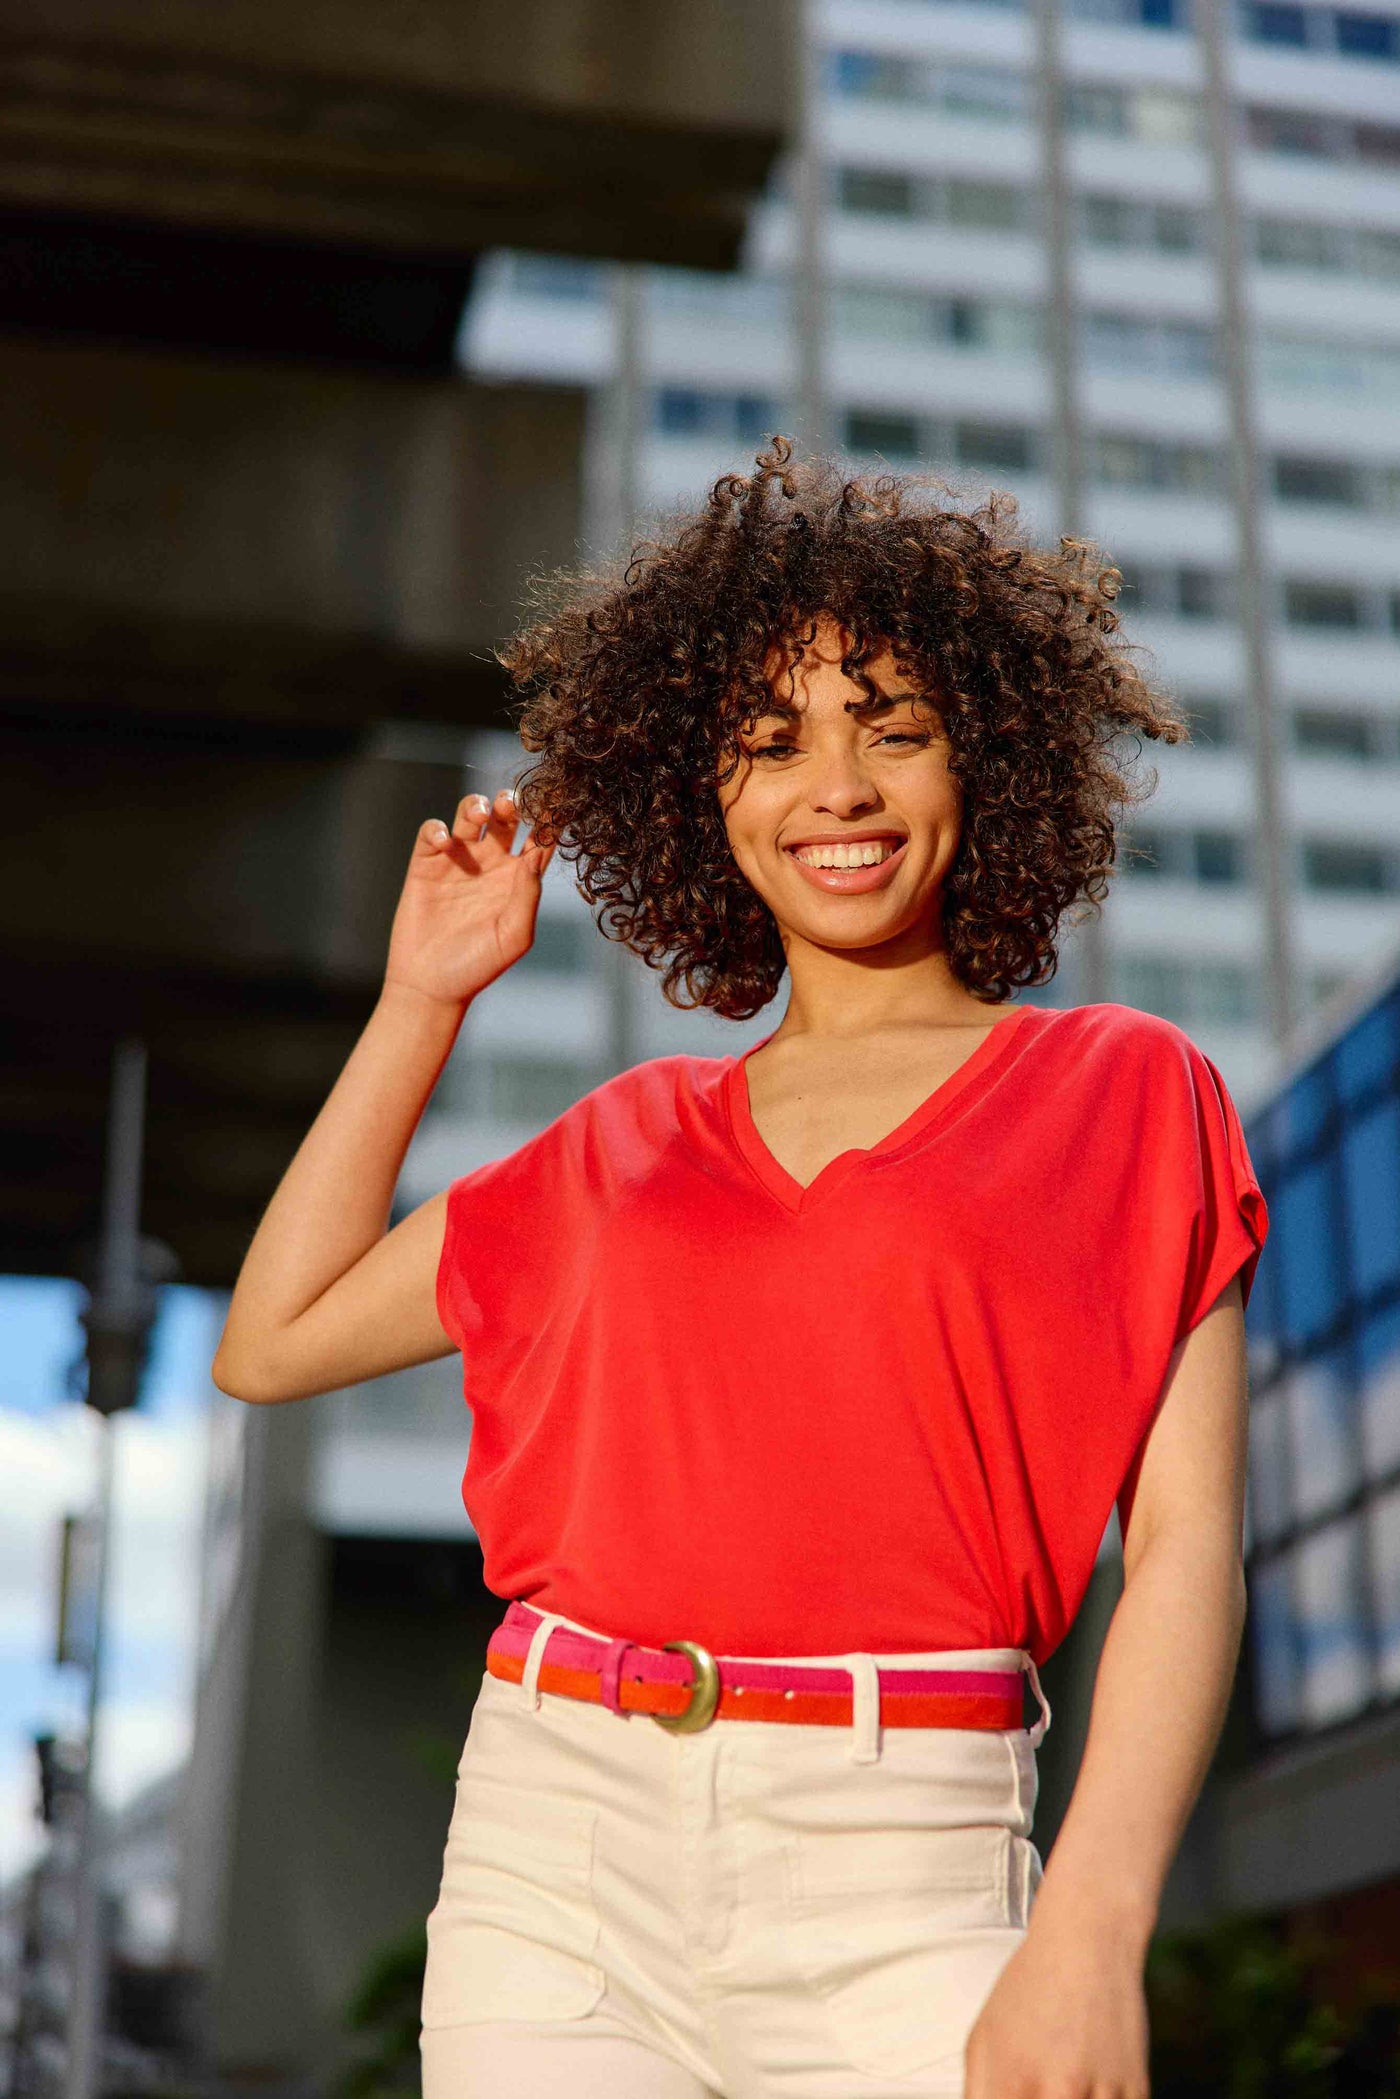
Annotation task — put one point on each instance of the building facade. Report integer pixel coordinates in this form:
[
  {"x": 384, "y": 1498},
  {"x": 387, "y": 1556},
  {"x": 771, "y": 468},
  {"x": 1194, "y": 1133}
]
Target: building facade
[{"x": 1137, "y": 261}]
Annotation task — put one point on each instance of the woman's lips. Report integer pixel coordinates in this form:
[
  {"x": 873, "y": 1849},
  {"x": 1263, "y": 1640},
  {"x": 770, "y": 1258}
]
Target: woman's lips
[{"x": 849, "y": 881}]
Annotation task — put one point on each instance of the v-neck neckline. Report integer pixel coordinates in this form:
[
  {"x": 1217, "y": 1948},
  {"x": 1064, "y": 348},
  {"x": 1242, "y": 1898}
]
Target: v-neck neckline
[{"x": 787, "y": 1189}]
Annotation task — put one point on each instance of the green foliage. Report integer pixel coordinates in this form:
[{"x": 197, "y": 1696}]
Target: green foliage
[
  {"x": 1236, "y": 2011},
  {"x": 384, "y": 2011}
]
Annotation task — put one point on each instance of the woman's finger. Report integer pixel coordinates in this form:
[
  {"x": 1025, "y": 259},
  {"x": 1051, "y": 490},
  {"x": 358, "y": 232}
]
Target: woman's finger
[
  {"x": 471, "y": 815},
  {"x": 503, "y": 820},
  {"x": 432, "y": 837}
]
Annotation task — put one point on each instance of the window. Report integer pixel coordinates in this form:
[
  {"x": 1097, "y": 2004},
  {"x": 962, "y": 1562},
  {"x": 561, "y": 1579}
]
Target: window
[
  {"x": 1126, "y": 222},
  {"x": 1156, "y": 116},
  {"x": 991, "y": 206},
  {"x": 1313, "y": 363},
  {"x": 1203, "y": 593},
  {"x": 1378, "y": 254},
  {"x": 1111, "y": 222},
  {"x": 1322, "y": 605},
  {"x": 1216, "y": 856},
  {"x": 680, "y": 414},
  {"x": 1144, "y": 851},
  {"x": 869, "y": 75},
  {"x": 755, "y": 417},
  {"x": 1138, "y": 462},
  {"x": 1379, "y": 143},
  {"x": 999, "y": 447},
  {"x": 555, "y": 277},
  {"x": 1337, "y": 865},
  {"x": 1367, "y": 36},
  {"x": 1332, "y": 481},
  {"x": 1274, "y": 22},
  {"x": 746, "y": 418},
  {"x": 1295, "y": 131},
  {"x": 1102, "y": 109},
  {"x": 1129, "y": 343},
  {"x": 1193, "y": 993},
  {"x": 1323, "y": 733},
  {"x": 997, "y": 93},
  {"x": 1133, "y": 14},
  {"x": 1293, "y": 244},
  {"x": 1176, "y": 229},
  {"x": 1324, "y": 1329},
  {"x": 891, "y": 436},
  {"x": 876, "y": 190},
  {"x": 985, "y": 91},
  {"x": 1211, "y": 721}
]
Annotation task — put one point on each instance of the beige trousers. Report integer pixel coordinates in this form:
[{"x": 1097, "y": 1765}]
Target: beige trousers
[{"x": 754, "y": 1911}]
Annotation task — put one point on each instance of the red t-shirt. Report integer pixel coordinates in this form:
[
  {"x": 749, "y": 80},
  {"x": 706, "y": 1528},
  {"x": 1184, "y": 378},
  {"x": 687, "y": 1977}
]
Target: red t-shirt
[{"x": 892, "y": 1412}]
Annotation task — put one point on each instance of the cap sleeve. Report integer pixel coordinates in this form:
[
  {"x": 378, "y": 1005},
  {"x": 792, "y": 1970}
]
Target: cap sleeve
[
  {"x": 492, "y": 1233},
  {"x": 1229, "y": 1220}
]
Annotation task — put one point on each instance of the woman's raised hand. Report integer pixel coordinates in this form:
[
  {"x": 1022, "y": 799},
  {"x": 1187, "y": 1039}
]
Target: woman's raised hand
[{"x": 469, "y": 901}]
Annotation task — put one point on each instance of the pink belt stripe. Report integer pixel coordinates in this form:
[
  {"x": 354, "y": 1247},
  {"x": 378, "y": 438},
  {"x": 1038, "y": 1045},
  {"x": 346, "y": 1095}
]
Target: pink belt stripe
[{"x": 653, "y": 1665}]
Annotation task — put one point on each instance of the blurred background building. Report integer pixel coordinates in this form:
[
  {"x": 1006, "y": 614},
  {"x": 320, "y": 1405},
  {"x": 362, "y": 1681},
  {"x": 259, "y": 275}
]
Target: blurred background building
[{"x": 317, "y": 342}]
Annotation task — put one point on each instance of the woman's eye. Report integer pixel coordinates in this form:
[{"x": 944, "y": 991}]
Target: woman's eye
[
  {"x": 772, "y": 750},
  {"x": 902, "y": 736}
]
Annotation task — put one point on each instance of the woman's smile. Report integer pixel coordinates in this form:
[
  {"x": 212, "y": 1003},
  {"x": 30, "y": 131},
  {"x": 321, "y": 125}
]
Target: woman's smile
[{"x": 847, "y": 866}]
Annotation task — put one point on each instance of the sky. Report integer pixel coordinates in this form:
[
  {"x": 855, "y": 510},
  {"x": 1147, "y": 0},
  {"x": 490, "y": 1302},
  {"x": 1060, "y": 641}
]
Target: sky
[{"x": 48, "y": 1446}]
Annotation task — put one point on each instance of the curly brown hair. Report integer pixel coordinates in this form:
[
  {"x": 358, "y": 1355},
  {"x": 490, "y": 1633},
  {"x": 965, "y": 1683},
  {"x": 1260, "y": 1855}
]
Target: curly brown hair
[{"x": 639, "y": 681}]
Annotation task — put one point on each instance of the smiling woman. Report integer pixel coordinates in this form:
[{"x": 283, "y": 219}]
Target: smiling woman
[
  {"x": 804, "y": 1383},
  {"x": 930, "y": 625}
]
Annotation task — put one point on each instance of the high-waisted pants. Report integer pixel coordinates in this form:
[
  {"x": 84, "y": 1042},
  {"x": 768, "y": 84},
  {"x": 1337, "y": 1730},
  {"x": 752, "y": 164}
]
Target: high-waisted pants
[{"x": 758, "y": 1910}]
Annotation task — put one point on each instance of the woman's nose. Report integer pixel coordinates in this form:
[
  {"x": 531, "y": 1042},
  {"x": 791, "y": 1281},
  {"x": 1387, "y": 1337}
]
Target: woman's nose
[{"x": 843, "y": 787}]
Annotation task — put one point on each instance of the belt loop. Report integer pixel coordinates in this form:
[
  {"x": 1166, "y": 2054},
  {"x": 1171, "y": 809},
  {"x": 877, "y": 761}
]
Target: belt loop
[
  {"x": 865, "y": 1709},
  {"x": 610, "y": 1676},
  {"x": 1038, "y": 1730},
  {"x": 539, "y": 1640}
]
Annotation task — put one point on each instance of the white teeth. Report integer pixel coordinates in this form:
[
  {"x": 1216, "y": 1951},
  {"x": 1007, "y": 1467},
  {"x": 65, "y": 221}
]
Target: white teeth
[{"x": 865, "y": 854}]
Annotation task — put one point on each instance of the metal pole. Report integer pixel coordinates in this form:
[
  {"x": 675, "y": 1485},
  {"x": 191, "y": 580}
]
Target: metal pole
[
  {"x": 120, "y": 1283},
  {"x": 1062, "y": 357},
  {"x": 1271, "y": 831}
]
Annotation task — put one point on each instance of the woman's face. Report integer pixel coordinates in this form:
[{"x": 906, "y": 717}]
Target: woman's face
[{"x": 832, "y": 776}]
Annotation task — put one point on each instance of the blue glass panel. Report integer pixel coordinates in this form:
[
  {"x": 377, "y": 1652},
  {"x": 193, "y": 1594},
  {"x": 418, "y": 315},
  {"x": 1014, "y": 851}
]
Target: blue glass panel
[
  {"x": 1310, "y": 1282},
  {"x": 1261, "y": 1318},
  {"x": 1365, "y": 1059},
  {"x": 1385, "y": 1563},
  {"x": 1328, "y": 1594},
  {"x": 755, "y": 416},
  {"x": 1273, "y": 22},
  {"x": 1321, "y": 1413},
  {"x": 680, "y": 413},
  {"x": 1371, "y": 1193},
  {"x": 1378, "y": 1351},
  {"x": 1270, "y": 1498},
  {"x": 1160, "y": 14},
  {"x": 1368, "y": 36},
  {"x": 1303, "y": 1111},
  {"x": 1273, "y": 1634}
]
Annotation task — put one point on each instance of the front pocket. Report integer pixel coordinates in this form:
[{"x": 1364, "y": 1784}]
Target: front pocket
[
  {"x": 900, "y": 1936},
  {"x": 514, "y": 1928}
]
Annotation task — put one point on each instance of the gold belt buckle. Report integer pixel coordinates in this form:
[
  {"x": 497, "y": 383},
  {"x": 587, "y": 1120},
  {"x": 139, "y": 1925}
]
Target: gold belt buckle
[{"x": 704, "y": 1691}]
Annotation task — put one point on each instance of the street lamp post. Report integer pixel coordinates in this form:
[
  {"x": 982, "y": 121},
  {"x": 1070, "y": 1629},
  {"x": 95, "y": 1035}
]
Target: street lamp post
[{"x": 117, "y": 1319}]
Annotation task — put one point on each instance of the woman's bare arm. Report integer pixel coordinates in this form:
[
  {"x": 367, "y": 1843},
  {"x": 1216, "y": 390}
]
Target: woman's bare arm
[
  {"x": 327, "y": 1294},
  {"x": 1068, "y": 2012}
]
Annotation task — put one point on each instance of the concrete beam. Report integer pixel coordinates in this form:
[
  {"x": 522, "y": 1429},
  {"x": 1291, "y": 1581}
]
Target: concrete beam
[{"x": 608, "y": 127}]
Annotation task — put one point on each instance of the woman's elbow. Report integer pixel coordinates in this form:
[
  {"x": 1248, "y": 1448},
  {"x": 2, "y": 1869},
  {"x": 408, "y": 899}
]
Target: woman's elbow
[{"x": 241, "y": 1377}]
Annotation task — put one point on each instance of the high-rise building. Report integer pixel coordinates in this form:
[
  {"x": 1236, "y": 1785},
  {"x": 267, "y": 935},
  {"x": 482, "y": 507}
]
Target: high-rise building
[{"x": 1137, "y": 261}]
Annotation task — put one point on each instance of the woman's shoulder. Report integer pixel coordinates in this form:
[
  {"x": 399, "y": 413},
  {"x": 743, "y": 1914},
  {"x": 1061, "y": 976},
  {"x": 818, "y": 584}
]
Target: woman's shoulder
[{"x": 1103, "y": 1040}]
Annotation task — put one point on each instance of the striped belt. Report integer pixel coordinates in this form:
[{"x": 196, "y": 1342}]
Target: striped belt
[{"x": 683, "y": 1687}]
